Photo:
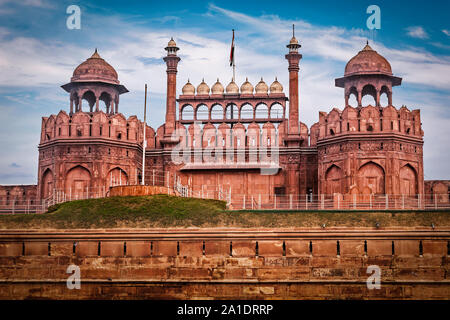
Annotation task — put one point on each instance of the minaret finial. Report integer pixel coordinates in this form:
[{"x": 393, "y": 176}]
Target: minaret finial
[
  {"x": 293, "y": 30},
  {"x": 367, "y": 41}
]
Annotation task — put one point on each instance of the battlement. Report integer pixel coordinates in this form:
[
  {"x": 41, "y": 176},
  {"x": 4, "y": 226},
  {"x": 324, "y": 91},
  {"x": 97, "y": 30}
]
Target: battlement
[
  {"x": 82, "y": 125},
  {"x": 370, "y": 119}
]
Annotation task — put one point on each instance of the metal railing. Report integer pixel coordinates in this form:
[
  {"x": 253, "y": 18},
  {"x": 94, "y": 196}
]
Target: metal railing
[
  {"x": 242, "y": 201},
  {"x": 339, "y": 202}
]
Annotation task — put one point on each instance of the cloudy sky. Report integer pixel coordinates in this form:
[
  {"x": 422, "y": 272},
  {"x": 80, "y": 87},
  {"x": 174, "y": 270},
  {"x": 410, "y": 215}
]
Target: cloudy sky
[{"x": 38, "y": 54}]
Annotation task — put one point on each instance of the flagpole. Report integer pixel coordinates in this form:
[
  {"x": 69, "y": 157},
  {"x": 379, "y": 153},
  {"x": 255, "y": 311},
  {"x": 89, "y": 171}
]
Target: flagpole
[
  {"x": 144, "y": 143},
  {"x": 234, "y": 69},
  {"x": 233, "y": 46}
]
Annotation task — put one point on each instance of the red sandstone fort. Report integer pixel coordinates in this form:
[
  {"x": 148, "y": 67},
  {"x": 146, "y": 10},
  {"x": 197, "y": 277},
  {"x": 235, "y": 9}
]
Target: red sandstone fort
[{"x": 355, "y": 154}]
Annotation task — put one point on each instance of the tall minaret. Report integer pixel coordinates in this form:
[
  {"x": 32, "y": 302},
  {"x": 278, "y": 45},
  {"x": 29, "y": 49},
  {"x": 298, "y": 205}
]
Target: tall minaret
[
  {"x": 172, "y": 62},
  {"x": 293, "y": 57}
]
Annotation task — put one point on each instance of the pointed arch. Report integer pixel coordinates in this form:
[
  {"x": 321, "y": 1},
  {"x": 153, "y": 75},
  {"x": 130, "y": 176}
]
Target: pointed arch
[
  {"x": 408, "y": 180},
  {"x": 334, "y": 179},
  {"x": 77, "y": 182},
  {"x": 116, "y": 177},
  {"x": 371, "y": 176},
  {"x": 368, "y": 90},
  {"x": 47, "y": 184}
]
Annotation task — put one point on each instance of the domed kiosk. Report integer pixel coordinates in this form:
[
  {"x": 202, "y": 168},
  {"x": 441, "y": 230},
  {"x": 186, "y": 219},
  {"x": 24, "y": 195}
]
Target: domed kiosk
[
  {"x": 368, "y": 73},
  {"x": 95, "y": 80}
]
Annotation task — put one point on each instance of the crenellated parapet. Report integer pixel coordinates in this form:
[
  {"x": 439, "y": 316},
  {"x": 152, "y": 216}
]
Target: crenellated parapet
[
  {"x": 87, "y": 125},
  {"x": 370, "y": 120}
]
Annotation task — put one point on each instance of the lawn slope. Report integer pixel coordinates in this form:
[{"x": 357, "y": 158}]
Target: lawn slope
[{"x": 170, "y": 211}]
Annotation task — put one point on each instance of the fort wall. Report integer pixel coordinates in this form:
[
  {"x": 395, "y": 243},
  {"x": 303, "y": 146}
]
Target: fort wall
[{"x": 225, "y": 263}]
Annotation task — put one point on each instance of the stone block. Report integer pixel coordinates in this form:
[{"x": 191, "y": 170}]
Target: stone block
[
  {"x": 138, "y": 249},
  {"x": 405, "y": 248},
  {"x": 244, "y": 248},
  {"x": 434, "y": 248},
  {"x": 217, "y": 248},
  {"x": 165, "y": 248},
  {"x": 270, "y": 248},
  {"x": 351, "y": 248},
  {"x": 295, "y": 248},
  {"x": 11, "y": 249},
  {"x": 61, "y": 248},
  {"x": 36, "y": 248},
  {"x": 191, "y": 248},
  {"x": 324, "y": 248},
  {"x": 86, "y": 248},
  {"x": 379, "y": 248},
  {"x": 112, "y": 249}
]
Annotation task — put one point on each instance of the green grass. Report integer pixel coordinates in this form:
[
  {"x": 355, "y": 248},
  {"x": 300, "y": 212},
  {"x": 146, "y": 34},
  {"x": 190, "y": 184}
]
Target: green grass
[{"x": 170, "y": 211}]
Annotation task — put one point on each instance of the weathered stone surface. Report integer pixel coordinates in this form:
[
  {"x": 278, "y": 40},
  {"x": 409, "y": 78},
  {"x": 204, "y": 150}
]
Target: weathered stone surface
[
  {"x": 351, "y": 248},
  {"x": 436, "y": 248},
  {"x": 191, "y": 248},
  {"x": 407, "y": 248},
  {"x": 61, "y": 248},
  {"x": 12, "y": 249},
  {"x": 217, "y": 248},
  {"x": 379, "y": 248},
  {"x": 165, "y": 248},
  {"x": 86, "y": 248},
  {"x": 36, "y": 248},
  {"x": 244, "y": 248},
  {"x": 112, "y": 249},
  {"x": 297, "y": 248},
  {"x": 138, "y": 248},
  {"x": 189, "y": 275},
  {"x": 270, "y": 248},
  {"x": 324, "y": 248}
]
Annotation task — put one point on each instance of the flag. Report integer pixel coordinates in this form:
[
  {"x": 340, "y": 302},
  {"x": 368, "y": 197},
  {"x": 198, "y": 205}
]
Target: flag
[{"x": 232, "y": 51}]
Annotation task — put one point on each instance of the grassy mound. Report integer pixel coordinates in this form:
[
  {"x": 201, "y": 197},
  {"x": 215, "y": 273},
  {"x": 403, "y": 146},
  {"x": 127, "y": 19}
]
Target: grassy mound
[{"x": 170, "y": 211}]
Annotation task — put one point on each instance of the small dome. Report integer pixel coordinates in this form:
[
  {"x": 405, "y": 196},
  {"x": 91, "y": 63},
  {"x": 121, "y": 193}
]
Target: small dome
[
  {"x": 188, "y": 89},
  {"x": 276, "y": 87},
  {"x": 261, "y": 87},
  {"x": 172, "y": 43},
  {"x": 217, "y": 88},
  {"x": 246, "y": 87},
  {"x": 293, "y": 40},
  {"x": 232, "y": 87},
  {"x": 95, "y": 69},
  {"x": 203, "y": 88},
  {"x": 368, "y": 61}
]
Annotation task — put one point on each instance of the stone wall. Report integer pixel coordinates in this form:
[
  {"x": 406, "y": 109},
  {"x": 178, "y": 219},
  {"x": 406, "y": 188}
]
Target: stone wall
[{"x": 225, "y": 264}]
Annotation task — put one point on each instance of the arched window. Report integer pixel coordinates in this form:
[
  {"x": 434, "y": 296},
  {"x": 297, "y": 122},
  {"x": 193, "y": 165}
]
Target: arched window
[
  {"x": 187, "y": 112},
  {"x": 261, "y": 111},
  {"x": 384, "y": 96},
  {"x": 89, "y": 96},
  {"x": 217, "y": 112},
  {"x": 106, "y": 99},
  {"x": 247, "y": 111},
  {"x": 368, "y": 95},
  {"x": 232, "y": 112},
  {"x": 353, "y": 97},
  {"x": 276, "y": 111},
  {"x": 202, "y": 112}
]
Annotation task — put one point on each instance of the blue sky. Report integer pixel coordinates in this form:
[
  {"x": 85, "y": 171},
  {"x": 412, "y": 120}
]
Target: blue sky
[{"x": 38, "y": 54}]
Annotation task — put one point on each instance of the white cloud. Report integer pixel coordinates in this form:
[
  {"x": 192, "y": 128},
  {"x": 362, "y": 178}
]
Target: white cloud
[
  {"x": 417, "y": 32},
  {"x": 447, "y": 32}
]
